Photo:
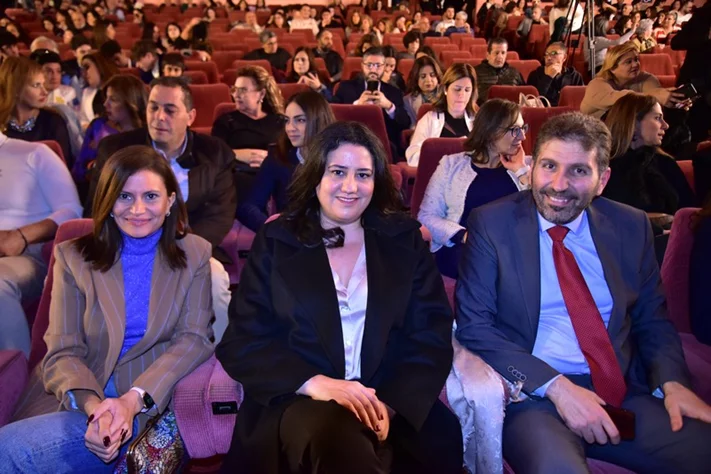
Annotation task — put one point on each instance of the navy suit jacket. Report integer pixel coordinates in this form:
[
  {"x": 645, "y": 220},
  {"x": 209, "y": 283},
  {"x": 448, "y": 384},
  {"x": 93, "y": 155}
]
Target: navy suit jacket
[
  {"x": 350, "y": 91},
  {"x": 499, "y": 290}
]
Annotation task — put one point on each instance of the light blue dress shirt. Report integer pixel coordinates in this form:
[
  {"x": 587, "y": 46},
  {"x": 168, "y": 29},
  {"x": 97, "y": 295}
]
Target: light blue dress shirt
[
  {"x": 181, "y": 174},
  {"x": 556, "y": 342}
]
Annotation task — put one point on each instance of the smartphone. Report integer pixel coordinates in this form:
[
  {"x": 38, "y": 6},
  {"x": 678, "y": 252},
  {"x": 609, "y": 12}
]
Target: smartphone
[
  {"x": 688, "y": 90},
  {"x": 624, "y": 421},
  {"x": 372, "y": 86}
]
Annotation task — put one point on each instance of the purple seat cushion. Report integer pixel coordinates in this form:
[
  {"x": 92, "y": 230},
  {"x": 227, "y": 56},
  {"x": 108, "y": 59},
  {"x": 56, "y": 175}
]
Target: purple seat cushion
[{"x": 13, "y": 378}]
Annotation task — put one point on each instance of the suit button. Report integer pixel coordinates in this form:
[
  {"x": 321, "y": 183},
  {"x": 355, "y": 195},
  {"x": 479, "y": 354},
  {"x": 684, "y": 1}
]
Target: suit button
[{"x": 510, "y": 368}]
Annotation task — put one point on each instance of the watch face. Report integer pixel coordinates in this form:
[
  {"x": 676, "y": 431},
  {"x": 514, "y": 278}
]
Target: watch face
[{"x": 148, "y": 401}]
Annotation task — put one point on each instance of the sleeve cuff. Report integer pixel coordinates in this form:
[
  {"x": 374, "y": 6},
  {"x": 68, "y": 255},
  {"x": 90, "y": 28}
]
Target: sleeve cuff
[
  {"x": 541, "y": 391},
  {"x": 391, "y": 112}
]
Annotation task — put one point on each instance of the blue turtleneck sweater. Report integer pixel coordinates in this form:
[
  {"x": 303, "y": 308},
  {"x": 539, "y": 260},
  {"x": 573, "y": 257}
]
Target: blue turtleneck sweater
[{"x": 137, "y": 258}]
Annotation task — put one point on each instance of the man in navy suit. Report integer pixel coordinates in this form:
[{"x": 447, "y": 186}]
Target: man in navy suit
[
  {"x": 387, "y": 97},
  {"x": 559, "y": 292}
]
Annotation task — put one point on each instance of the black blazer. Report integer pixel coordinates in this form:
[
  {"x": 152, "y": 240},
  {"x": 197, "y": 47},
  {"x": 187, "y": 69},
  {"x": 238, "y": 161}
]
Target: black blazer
[
  {"x": 212, "y": 198},
  {"x": 350, "y": 91},
  {"x": 285, "y": 328},
  {"x": 499, "y": 293}
]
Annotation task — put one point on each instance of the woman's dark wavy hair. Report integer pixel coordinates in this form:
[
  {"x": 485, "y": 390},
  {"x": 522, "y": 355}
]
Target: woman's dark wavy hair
[
  {"x": 102, "y": 248},
  {"x": 303, "y": 213},
  {"x": 490, "y": 123},
  {"x": 294, "y": 77},
  {"x": 413, "y": 86},
  {"x": 318, "y": 116}
]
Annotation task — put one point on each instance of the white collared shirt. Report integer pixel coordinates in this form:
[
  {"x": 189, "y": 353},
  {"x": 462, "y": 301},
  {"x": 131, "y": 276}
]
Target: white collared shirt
[{"x": 181, "y": 174}]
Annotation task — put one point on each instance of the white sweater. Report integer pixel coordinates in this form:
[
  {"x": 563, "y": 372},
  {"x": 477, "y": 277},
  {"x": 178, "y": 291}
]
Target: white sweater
[
  {"x": 576, "y": 17},
  {"x": 35, "y": 184},
  {"x": 429, "y": 126}
]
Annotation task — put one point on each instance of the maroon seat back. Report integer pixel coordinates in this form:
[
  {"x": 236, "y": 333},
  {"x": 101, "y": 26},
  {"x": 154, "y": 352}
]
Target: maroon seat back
[
  {"x": 239, "y": 63},
  {"x": 54, "y": 146},
  {"x": 369, "y": 115},
  {"x": 433, "y": 149},
  {"x": 511, "y": 92},
  {"x": 571, "y": 96},
  {"x": 196, "y": 77},
  {"x": 205, "y": 99},
  {"x": 288, "y": 90},
  {"x": 69, "y": 230},
  {"x": 223, "y": 108},
  {"x": 208, "y": 67},
  {"x": 535, "y": 118}
]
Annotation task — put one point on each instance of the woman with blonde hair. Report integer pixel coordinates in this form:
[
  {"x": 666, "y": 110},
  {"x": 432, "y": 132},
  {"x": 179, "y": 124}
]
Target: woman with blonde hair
[
  {"x": 620, "y": 75},
  {"x": 254, "y": 125},
  {"x": 452, "y": 114},
  {"x": 23, "y": 102},
  {"x": 124, "y": 109},
  {"x": 643, "y": 176}
]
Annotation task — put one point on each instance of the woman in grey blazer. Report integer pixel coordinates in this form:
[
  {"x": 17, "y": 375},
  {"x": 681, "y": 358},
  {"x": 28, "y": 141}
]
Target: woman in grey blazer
[{"x": 130, "y": 316}]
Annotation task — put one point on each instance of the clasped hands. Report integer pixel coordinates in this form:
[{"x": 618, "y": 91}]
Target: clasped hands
[
  {"x": 110, "y": 424},
  {"x": 354, "y": 396},
  {"x": 11, "y": 243},
  {"x": 581, "y": 409},
  {"x": 374, "y": 98}
]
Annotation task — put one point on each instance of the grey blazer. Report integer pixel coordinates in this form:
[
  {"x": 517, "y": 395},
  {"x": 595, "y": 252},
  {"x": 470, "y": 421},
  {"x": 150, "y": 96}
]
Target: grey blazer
[
  {"x": 498, "y": 293},
  {"x": 87, "y": 323}
]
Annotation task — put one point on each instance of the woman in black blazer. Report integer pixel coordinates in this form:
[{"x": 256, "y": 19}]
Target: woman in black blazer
[{"x": 341, "y": 331}]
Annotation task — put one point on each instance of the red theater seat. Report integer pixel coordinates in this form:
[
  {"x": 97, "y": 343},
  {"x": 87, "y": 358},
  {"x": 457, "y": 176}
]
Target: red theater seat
[
  {"x": 288, "y": 90},
  {"x": 196, "y": 77},
  {"x": 571, "y": 96},
  {"x": 205, "y": 99},
  {"x": 433, "y": 149},
  {"x": 369, "y": 115},
  {"x": 535, "y": 118},
  {"x": 511, "y": 92}
]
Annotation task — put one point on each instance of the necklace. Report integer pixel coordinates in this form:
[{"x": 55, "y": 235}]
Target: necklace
[{"x": 25, "y": 127}]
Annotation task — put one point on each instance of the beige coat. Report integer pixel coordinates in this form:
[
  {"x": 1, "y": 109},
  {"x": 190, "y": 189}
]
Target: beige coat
[
  {"x": 600, "y": 94},
  {"x": 87, "y": 324}
]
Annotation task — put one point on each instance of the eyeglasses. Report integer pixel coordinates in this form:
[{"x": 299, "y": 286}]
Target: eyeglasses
[
  {"x": 373, "y": 65},
  {"x": 240, "y": 90},
  {"x": 551, "y": 54},
  {"x": 518, "y": 131}
]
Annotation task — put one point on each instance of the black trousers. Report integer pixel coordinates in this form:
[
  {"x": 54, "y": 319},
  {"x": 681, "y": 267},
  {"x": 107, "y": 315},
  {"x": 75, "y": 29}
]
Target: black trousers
[
  {"x": 535, "y": 440},
  {"x": 323, "y": 437}
]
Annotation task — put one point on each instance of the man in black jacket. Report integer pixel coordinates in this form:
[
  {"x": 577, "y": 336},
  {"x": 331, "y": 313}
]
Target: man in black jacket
[
  {"x": 277, "y": 57},
  {"x": 385, "y": 96},
  {"x": 551, "y": 78},
  {"x": 494, "y": 70},
  {"x": 333, "y": 60}
]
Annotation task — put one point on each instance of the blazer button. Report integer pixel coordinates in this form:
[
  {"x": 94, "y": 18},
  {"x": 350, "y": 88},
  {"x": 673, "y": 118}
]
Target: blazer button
[{"x": 510, "y": 368}]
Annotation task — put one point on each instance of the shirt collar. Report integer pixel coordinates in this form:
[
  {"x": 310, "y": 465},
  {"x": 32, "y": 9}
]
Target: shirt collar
[
  {"x": 575, "y": 226},
  {"x": 299, "y": 156},
  {"x": 182, "y": 148}
]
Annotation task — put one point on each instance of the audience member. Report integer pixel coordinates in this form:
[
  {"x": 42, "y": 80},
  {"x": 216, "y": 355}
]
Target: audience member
[
  {"x": 366, "y": 41},
  {"x": 623, "y": 26},
  {"x": 686, "y": 12},
  {"x": 568, "y": 338},
  {"x": 173, "y": 65},
  {"x": 664, "y": 32},
  {"x": 328, "y": 21},
  {"x": 8, "y": 46},
  {"x": 96, "y": 70},
  {"x": 699, "y": 265},
  {"x": 81, "y": 46},
  {"x": 124, "y": 110},
  {"x": 452, "y": 113},
  {"x": 305, "y": 115},
  {"x": 104, "y": 31},
  {"x": 554, "y": 75},
  {"x": 643, "y": 38},
  {"x": 51, "y": 65},
  {"x": 391, "y": 75},
  {"x": 491, "y": 166},
  {"x": 344, "y": 224},
  {"x": 385, "y": 96},
  {"x": 50, "y": 27},
  {"x": 446, "y": 21},
  {"x": 42, "y": 42},
  {"x": 23, "y": 112},
  {"x": 643, "y": 176},
  {"x": 173, "y": 40},
  {"x": 422, "y": 86},
  {"x": 301, "y": 19},
  {"x": 494, "y": 70},
  {"x": 303, "y": 71},
  {"x": 112, "y": 52},
  {"x": 277, "y": 20},
  {"x": 36, "y": 196},
  {"x": 483, "y": 13},
  {"x": 145, "y": 59},
  {"x": 354, "y": 25},
  {"x": 411, "y": 41},
  {"x": 250, "y": 23},
  {"x": 109, "y": 368},
  {"x": 324, "y": 50},
  {"x": 257, "y": 122},
  {"x": 602, "y": 42},
  {"x": 564, "y": 9},
  {"x": 524, "y": 28},
  {"x": 460, "y": 25},
  {"x": 277, "y": 57},
  {"x": 400, "y": 25}
]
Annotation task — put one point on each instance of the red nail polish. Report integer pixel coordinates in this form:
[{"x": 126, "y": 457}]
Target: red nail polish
[
  {"x": 91, "y": 418},
  {"x": 107, "y": 441}
]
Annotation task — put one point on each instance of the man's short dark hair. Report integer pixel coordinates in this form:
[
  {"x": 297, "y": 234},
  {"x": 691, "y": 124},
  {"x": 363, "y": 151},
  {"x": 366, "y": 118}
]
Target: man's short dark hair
[
  {"x": 142, "y": 48},
  {"x": 174, "y": 83},
  {"x": 374, "y": 51},
  {"x": 410, "y": 37},
  {"x": 45, "y": 56},
  {"x": 78, "y": 41},
  {"x": 493, "y": 41},
  {"x": 586, "y": 130},
  {"x": 110, "y": 49},
  {"x": 7, "y": 39},
  {"x": 266, "y": 35},
  {"x": 174, "y": 59}
]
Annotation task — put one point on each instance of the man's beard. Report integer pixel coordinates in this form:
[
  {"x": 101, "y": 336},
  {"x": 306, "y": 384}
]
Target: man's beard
[{"x": 564, "y": 214}]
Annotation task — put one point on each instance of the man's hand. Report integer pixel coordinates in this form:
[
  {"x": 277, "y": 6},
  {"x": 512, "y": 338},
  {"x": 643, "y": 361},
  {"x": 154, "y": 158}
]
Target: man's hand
[
  {"x": 381, "y": 101},
  {"x": 354, "y": 396},
  {"x": 11, "y": 243},
  {"x": 582, "y": 412},
  {"x": 553, "y": 70},
  {"x": 680, "y": 401},
  {"x": 365, "y": 98}
]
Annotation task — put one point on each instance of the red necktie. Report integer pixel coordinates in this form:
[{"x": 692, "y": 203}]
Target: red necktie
[{"x": 587, "y": 322}]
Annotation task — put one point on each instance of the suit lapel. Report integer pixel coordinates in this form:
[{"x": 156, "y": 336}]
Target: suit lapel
[
  {"x": 609, "y": 250},
  {"x": 110, "y": 298},
  {"x": 316, "y": 294},
  {"x": 164, "y": 288},
  {"x": 528, "y": 258},
  {"x": 387, "y": 277}
]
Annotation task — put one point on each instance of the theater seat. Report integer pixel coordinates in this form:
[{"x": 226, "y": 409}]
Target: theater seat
[
  {"x": 351, "y": 67},
  {"x": 451, "y": 57},
  {"x": 369, "y": 115},
  {"x": 433, "y": 149},
  {"x": 571, "y": 96},
  {"x": 657, "y": 64},
  {"x": 223, "y": 108},
  {"x": 511, "y": 92},
  {"x": 535, "y": 118},
  {"x": 526, "y": 66},
  {"x": 205, "y": 99},
  {"x": 239, "y": 63},
  {"x": 288, "y": 90},
  {"x": 208, "y": 67},
  {"x": 687, "y": 167},
  {"x": 196, "y": 77},
  {"x": 54, "y": 146},
  {"x": 225, "y": 59}
]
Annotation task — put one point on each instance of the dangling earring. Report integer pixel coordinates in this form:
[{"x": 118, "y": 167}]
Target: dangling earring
[
  {"x": 111, "y": 214},
  {"x": 168, "y": 215}
]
